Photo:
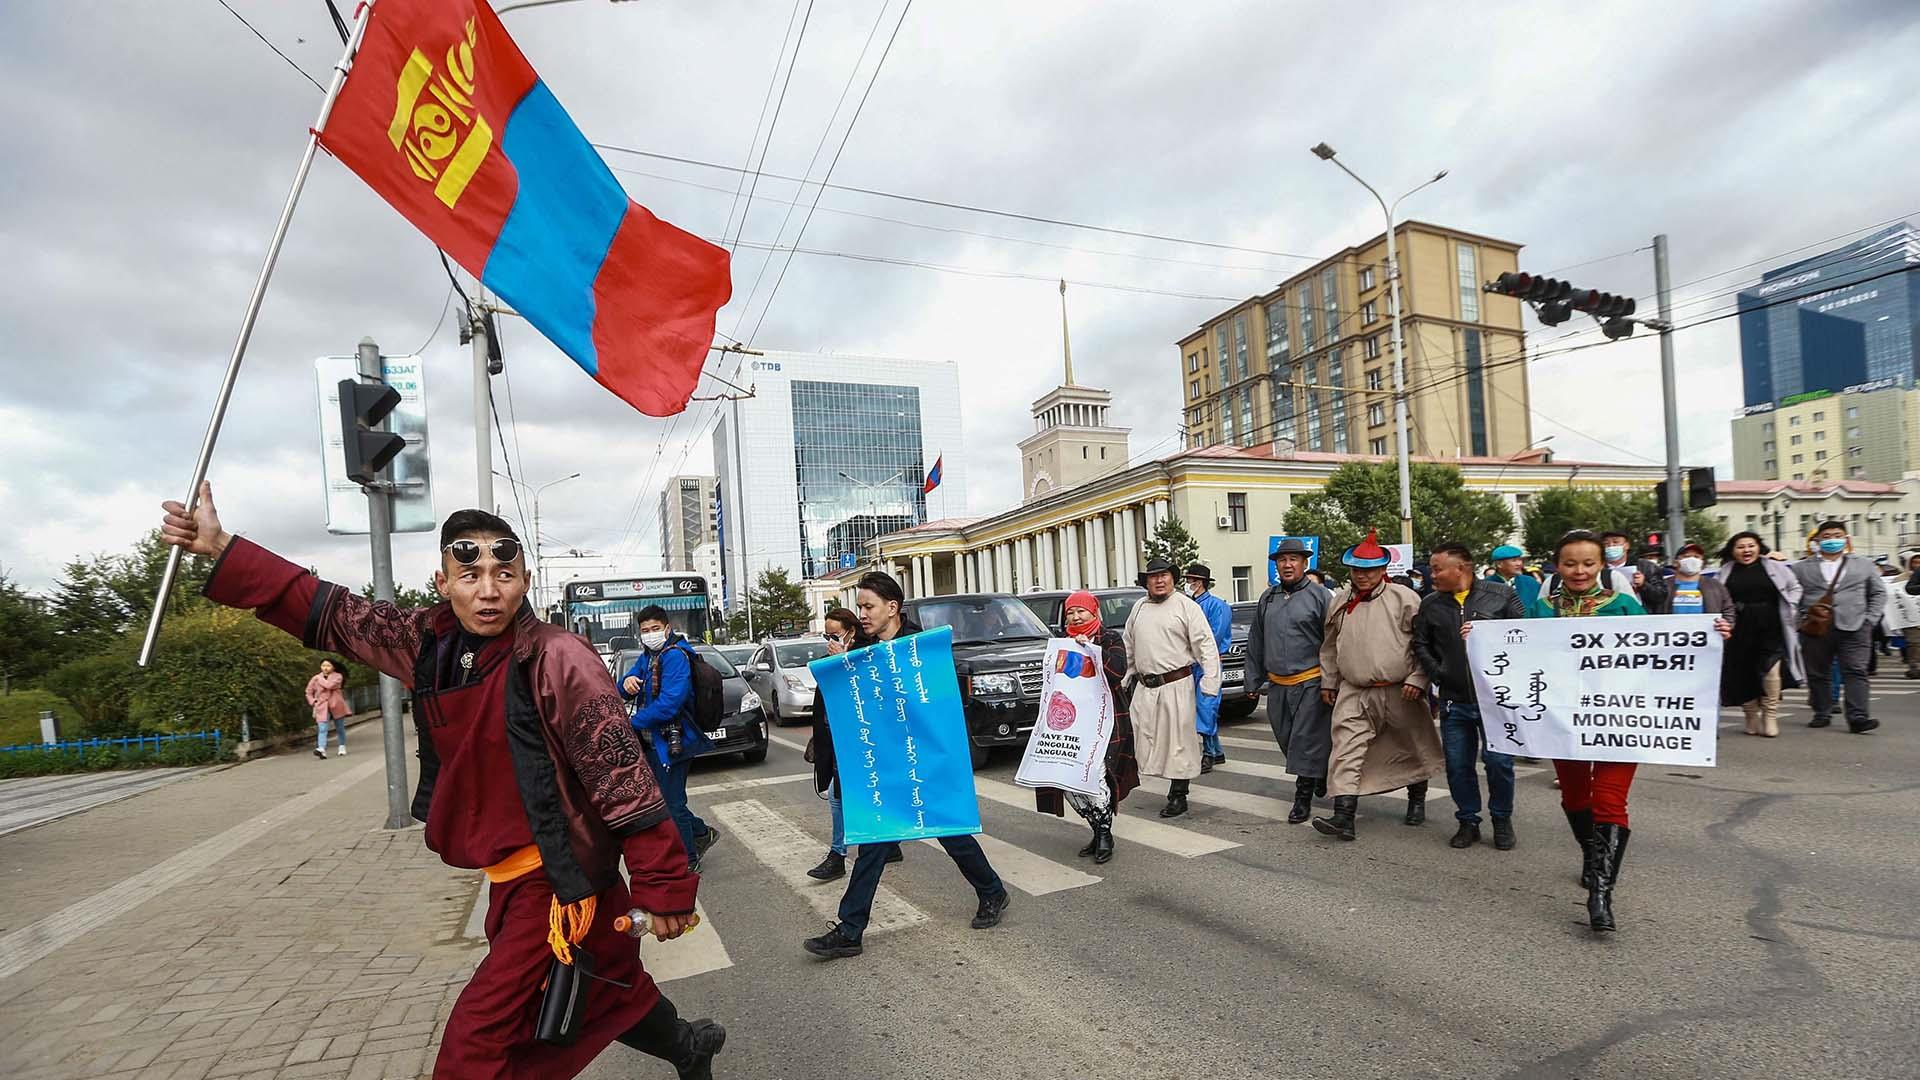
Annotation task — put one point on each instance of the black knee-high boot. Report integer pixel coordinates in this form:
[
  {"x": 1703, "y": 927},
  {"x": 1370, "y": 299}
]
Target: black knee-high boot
[
  {"x": 1176, "y": 799},
  {"x": 1302, "y": 799},
  {"x": 1581, "y": 821},
  {"x": 688, "y": 1046},
  {"x": 1609, "y": 847}
]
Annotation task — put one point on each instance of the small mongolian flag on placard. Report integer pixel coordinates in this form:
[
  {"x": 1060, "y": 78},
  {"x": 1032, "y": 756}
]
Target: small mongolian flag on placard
[{"x": 444, "y": 118}]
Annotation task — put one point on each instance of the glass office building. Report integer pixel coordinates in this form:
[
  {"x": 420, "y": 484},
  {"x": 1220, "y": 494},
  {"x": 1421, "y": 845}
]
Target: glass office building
[
  {"x": 1839, "y": 319},
  {"x": 833, "y": 451}
]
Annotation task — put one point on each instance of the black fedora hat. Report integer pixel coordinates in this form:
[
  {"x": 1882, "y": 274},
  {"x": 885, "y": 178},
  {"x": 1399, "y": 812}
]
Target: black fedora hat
[
  {"x": 1154, "y": 566},
  {"x": 1199, "y": 570},
  {"x": 1292, "y": 545}
]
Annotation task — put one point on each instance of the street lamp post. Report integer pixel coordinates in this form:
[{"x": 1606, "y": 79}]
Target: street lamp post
[
  {"x": 539, "y": 560},
  {"x": 1325, "y": 153}
]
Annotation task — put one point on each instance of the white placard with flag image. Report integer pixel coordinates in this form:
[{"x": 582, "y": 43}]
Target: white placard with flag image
[{"x": 1068, "y": 749}]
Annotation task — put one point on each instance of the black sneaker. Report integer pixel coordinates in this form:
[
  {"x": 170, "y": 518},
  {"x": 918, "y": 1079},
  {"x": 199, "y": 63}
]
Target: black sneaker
[
  {"x": 835, "y": 944},
  {"x": 707, "y": 840},
  {"x": 1503, "y": 838},
  {"x": 898, "y": 854},
  {"x": 831, "y": 867},
  {"x": 1819, "y": 721},
  {"x": 1467, "y": 835},
  {"x": 990, "y": 910},
  {"x": 1206, "y": 764},
  {"x": 1862, "y": 729}
]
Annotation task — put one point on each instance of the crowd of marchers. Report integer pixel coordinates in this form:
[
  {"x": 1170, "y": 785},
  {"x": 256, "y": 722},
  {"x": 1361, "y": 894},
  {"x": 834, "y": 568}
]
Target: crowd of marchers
[{"x": 533, "y": 770}]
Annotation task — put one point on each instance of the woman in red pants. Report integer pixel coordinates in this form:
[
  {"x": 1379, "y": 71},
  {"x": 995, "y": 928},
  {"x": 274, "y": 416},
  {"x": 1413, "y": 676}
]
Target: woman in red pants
[{"x": 1593, "y": 793}]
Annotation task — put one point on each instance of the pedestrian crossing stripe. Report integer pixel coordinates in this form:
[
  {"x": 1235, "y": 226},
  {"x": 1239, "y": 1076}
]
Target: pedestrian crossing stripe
[
  {"x": 790, "y": 852},
  {"x": 1173, "y": 840},
  {"x": 1032, "y": 874},
  {"x": 695, "y": 952}
]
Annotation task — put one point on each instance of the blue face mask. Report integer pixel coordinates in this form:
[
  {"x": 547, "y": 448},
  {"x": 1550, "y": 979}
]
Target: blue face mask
[{"x": 1832, "y": 547}]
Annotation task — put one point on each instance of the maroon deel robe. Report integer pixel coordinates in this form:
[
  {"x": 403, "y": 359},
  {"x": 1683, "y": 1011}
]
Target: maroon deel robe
[{"x": 533, "y": 749}]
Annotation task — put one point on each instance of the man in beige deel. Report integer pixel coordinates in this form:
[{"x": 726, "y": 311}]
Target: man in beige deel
[
  {"x": 1383, "y": 735},
  {"x": 1167, "y": 636}
]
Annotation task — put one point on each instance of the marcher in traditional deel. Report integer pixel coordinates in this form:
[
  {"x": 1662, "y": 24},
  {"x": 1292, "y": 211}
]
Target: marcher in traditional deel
[
  {"x": 528, "y": 771},
  {"x": 1082, "y": 623},
  {"x": 1167, "y": 640},
  {"x": 1383, "y": 735},
  {"x": 1199, "y": 581},
  {"x": 1283, "y": 662}
]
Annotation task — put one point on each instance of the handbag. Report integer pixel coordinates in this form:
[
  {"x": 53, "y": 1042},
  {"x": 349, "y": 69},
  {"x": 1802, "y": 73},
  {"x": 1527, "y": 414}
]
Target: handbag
[{"x": 1818, "y": 618}]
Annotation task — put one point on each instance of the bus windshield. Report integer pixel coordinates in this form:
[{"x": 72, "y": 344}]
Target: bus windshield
[{"x": 605, "y": 612}]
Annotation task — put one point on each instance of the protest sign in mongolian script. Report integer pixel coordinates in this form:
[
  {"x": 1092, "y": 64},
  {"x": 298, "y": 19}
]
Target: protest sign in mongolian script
[
  {"x": 1903, "y": 611},
  {"x": 1068, "y": 749},
  {"x": 1600, "y": 689},
  {"x": 901, "y": 739}
]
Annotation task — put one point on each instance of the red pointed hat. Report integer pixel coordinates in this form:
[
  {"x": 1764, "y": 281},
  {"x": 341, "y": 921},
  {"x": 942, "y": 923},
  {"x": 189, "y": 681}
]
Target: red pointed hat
[{"x": 1368, "y": 553}]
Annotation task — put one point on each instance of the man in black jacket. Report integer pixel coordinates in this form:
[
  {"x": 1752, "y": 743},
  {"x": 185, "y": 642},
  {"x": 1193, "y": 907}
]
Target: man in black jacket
[{"x": 1458, "y": 597}]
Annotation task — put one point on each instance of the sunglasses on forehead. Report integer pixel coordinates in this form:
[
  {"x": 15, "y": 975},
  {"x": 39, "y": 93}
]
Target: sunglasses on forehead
[{"x": 467, "y": 552}]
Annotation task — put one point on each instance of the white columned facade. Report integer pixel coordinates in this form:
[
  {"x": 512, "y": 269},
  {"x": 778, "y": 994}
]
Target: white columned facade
[
  {"x": 1047, "y": 562},
  {"x": 960, "y": 582},
  {"x": 1023, "y": 563},
  {"x": 923, "y": 575},
  {"x": 1131, "y": 529},
  {"x": 1075, "y": 574},
  {"x": 1003, "y": 567},
  {"x": 1097, "y": 552}
]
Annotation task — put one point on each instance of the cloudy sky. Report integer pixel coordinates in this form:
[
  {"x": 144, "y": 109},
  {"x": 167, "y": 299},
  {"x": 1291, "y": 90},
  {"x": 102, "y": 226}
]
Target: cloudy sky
[{"x": 150, "y": 145}]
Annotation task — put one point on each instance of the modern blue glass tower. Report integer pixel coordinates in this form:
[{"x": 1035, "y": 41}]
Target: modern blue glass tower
[{"x": 1838, "y": 319}]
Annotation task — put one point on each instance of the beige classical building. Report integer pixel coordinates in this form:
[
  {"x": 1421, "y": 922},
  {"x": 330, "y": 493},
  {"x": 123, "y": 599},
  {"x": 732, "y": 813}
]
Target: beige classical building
[
  {"x": 1231, "y": 498},
  {"x": 1884, "y": 519},
  {"x": 1310, "y": 363},
  {"x": 1868, "y": 432}
]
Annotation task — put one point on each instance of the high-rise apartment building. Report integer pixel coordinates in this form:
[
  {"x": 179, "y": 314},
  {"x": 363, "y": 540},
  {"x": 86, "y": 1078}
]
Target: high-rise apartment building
[
  {"x": 1309, "y": 364},
  {"x": 689, "y": 521},
  {"x": 1845, "y": 317},
  {"x": 832, "y": 451}
]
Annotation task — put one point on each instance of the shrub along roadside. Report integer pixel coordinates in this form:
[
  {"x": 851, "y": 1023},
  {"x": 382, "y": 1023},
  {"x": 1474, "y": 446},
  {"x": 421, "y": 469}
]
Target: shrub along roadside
[
  {"x": 20, "y": 714},
  {"x": 50, "y": 762}
]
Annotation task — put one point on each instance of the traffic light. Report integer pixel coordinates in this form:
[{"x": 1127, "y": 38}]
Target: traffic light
[
  {"x": 368, "y": 450},
  {"x": 1555, "y": 301},
  {"x": 1702, "y": 491}
]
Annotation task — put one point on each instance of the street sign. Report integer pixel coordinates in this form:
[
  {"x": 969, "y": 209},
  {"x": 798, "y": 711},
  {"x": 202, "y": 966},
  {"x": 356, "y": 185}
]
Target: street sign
[
  {"x": 409, "y": 473},
  {"x": 1273, "y": 545}
]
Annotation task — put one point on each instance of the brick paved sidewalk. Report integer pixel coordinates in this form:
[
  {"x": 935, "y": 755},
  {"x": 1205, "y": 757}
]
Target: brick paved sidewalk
[{"x": 327, "y": 947}]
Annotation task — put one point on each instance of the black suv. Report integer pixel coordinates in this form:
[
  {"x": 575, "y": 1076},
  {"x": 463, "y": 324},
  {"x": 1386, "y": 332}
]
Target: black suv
[
  {"x": 1234, "y": 702},
  {"x": 1116, "y": 606},
  {"x": 998, "y": 651}
]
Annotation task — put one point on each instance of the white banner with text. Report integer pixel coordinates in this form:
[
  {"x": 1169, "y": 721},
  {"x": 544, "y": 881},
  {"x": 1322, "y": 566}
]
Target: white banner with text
[{"x": 1600, "y": 689}]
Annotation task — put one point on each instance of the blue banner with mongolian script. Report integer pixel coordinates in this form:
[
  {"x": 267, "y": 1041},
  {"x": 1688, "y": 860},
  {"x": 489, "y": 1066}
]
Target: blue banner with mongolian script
[{"x": 900, "y": 735}]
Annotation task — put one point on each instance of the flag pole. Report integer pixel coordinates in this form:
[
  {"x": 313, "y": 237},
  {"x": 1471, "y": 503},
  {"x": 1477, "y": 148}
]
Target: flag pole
[{"x": 253, "y": 313}]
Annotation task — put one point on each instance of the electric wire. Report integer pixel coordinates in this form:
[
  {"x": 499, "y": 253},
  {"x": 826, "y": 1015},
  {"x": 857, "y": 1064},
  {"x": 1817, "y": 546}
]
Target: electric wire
[{"x": 271, "y": 45}]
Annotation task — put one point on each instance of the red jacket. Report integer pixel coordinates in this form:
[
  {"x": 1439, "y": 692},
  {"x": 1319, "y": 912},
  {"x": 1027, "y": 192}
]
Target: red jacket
[{"x": 585, "y": 791}]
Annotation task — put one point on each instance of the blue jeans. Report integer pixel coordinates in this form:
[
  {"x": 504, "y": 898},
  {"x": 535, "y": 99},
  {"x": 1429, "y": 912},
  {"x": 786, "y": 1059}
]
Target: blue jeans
[
  {"x": 857, "y": 905},
  {"x": 673, "y": 788},
  {"x": 1461, "y": 735},
  {"x": 839, "y": 844}
]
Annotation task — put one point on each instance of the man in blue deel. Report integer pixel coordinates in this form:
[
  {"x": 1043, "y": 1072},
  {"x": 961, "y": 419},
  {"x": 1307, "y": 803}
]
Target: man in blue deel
[
  {"x": 661, "y": 684},
  {"x": 1220, "y": 620}
]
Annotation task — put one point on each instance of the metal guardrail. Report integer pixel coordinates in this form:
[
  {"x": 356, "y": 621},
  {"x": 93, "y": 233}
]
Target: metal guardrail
[{"x": 132, "y": 742}]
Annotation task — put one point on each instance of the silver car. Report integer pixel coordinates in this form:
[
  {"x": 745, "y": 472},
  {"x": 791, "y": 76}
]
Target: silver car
[{"x": 778, "y": 674}]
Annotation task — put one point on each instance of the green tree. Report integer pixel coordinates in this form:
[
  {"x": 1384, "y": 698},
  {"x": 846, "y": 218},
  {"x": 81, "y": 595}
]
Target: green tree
[
  {"x": 1171, "y": 541},
  {"x": 426, "y": 596},
  {"x": 28, "y": 645},
  {"x": 102, "y": 597},
  {"x": 779, "y": 607},
  {"x": 1366, "y": 495},
  {"x": 1557, "y": 511}
]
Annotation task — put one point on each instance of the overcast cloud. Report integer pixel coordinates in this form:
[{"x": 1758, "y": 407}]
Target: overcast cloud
[{"x": 149, "y": 145}]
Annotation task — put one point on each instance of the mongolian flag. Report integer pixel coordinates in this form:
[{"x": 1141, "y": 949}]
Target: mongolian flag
[
  {"x": 444, "y": 118},
  {"x": 933, "y": 476}
]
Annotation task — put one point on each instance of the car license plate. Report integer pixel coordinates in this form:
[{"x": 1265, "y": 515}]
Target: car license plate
[{"x": 719, "y": 733}]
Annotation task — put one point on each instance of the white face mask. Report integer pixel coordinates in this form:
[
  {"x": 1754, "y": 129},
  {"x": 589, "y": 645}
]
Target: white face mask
[
  {"x": 1615, "y": 554},
  {"x": 1691, "y": 564},
  {"x": 653, "y": 639}
]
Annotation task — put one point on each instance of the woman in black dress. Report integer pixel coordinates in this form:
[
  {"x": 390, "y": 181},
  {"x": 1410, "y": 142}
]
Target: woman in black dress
[{"x": 1764, "y": 648}]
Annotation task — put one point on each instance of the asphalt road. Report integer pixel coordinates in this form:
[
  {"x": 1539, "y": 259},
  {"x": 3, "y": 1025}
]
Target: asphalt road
[{"x": 1768, "y": 927}]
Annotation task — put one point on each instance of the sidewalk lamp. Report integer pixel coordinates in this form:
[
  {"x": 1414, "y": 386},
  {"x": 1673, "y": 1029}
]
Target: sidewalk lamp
[
  {"x": 539, "y": 561},
  {"x": 1325, "y": 153}
]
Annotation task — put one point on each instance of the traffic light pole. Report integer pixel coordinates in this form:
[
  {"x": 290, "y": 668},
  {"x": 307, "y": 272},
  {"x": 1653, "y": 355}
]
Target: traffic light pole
[
  {"x": 380, "y": 539},
  {"x": 1676, "y": 491}
]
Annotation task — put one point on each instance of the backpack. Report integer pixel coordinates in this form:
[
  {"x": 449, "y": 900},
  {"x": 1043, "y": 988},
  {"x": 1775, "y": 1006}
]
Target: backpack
[{"x": 709, "y": 696}]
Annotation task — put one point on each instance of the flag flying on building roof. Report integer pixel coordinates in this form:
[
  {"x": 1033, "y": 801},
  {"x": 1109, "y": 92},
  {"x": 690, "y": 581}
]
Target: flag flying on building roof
[
  {"x": 443, "y": 117},
  {"x": 933, "y": 476}
]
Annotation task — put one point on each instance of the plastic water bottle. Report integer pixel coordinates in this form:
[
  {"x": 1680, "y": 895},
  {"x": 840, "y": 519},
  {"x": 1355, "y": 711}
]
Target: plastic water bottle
[{"x": 638, "y": 923}]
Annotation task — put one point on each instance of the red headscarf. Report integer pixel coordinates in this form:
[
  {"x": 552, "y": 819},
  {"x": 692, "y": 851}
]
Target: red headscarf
[{"x": 1085, "y": 602}]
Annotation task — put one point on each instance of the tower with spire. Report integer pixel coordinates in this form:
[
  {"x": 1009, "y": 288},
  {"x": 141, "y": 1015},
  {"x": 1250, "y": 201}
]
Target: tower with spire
[{"x": 1073, "y": 438}]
